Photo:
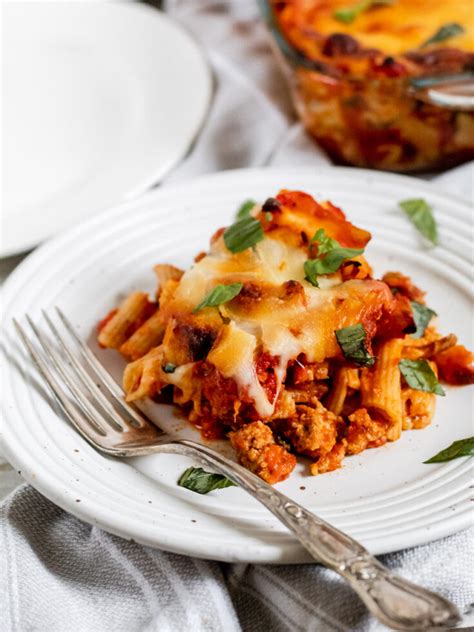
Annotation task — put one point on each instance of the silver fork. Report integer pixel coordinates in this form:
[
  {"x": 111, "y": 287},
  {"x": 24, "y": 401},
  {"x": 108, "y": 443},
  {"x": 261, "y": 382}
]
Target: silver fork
[{"x": 94, "y": 404}]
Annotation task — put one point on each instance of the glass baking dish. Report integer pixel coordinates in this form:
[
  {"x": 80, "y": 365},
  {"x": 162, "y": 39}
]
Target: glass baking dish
[{"x": 395, "y": 123}]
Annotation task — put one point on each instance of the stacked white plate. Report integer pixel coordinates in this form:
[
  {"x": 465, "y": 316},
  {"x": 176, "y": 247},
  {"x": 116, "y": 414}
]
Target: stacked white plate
[{"x": 100, "y": 100}]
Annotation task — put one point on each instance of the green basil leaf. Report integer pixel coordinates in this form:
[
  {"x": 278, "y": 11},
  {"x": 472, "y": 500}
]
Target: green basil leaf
[
  {"x": 463, "y": 447},
  {"x": 310, "y": 273},
  {"x": 169, "y": 367},
  {"x": 245, "y": 208},
  {"x": 325, "y": 243},
  {"x": 352, "y": 342},
  {"x": 422, "y": 316},
  {"x": 331, "y": 262},
  {"x": 198, "y": 480},
  {"x": 443, "y": 33},
  {"x": 419, "y": 375},
  {"x": 330, "y": 257},
  {"x": 421, "y": 215},
  {"x": 220, "y": 294},
  {"x": 243, "y": 234},
  {"x": 349, "y": 14}
]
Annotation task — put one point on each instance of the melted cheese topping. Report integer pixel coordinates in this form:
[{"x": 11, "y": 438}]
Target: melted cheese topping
[
  {"x": 282, "y": 324},
  {"x": 392, "y": 29},
  {"x": 271, "y": 262},
  {"x": 233, "y": 356}
]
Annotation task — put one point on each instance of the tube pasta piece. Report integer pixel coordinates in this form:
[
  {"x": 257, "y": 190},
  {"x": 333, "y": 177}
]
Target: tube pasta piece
[
  {"x": 429, "y": 348},
  {"x": 403, "y": 284},
  {"x": 166, "y": 293},
  {"x": 346, "y": 377},
  {"x": 149, "y": 335},
  {"x": 380, "y": 387},
  {"x": 353, "y": 378},
  {"x": 142, "y": 377},
  {"x": 166, "y": 272},
  {"x": 130, "y": 315},
  {"x": 189, "y": 391}
]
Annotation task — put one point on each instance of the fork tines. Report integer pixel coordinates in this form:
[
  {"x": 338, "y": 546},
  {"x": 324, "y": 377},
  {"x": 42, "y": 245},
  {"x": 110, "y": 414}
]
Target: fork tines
[{"x": 89, "y": 396}]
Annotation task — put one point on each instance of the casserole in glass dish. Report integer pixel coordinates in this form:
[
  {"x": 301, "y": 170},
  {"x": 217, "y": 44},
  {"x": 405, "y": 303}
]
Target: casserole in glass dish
[{"x": 386, "y": 84}]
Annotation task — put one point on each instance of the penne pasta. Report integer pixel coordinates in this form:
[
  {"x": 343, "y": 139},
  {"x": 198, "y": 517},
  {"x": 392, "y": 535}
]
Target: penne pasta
[
  {"x": 149, "y": 335},
  {"x": 345, "y": 378},
  {"x": 127, "y": 319},
  {"x": 380, "y": 387},
  {"x": 164, "y": 273},
  {"x": 142, "y": 378},
  {"x": 426, "y": 348}
]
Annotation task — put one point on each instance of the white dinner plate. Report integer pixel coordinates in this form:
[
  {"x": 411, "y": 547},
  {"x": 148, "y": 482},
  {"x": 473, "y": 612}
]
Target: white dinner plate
[
  {"x": 100, "y": 100},
  {"x": 385, "y": 497}
]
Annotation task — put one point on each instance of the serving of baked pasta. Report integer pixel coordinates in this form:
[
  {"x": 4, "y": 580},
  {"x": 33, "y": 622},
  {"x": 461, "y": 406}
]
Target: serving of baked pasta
[{"x": 280, "y": 339}]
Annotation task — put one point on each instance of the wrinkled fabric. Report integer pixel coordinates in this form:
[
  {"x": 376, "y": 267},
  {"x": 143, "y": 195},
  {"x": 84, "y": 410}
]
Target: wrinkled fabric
[{"x": 59, "y": 574}]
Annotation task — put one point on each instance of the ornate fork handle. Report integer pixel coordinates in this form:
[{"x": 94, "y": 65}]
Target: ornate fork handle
[{"x": 395, "y": 601}]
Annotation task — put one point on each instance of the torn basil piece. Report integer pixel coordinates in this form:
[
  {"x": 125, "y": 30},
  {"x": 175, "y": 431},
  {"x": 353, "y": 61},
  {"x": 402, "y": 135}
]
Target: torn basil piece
[
  {"x": 421, "y": 216},
  {"x": 443, "y": 33},
  {"x": 219, "y": 295},
  {"x": 325, "y": 243},
  {"x": 330, "y": 257},
  {"x": 245, "y": 208},
  {"x": 353, "y": 346},
  {"x": 310, "y": 272},
  {"x": 420, "y": 376},
  {"x": 198, "y": 480},
  {"x": 332, "y": 261},
  {"x": 422, "y": 316},
  {"x": 463, "y": 447},
  {"x": 349, "y": 14},
  {"x": 243, "y": 234}
]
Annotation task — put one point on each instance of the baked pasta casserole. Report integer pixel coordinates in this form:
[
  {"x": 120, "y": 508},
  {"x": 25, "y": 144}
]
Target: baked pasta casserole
[
  {"x": 280, "y": 338},
  {"x": 358, "y": 71}
]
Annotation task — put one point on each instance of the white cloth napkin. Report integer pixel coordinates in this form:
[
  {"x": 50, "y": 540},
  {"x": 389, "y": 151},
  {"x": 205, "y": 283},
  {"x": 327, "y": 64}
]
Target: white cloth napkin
[{"x": 58, "y": 574}]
